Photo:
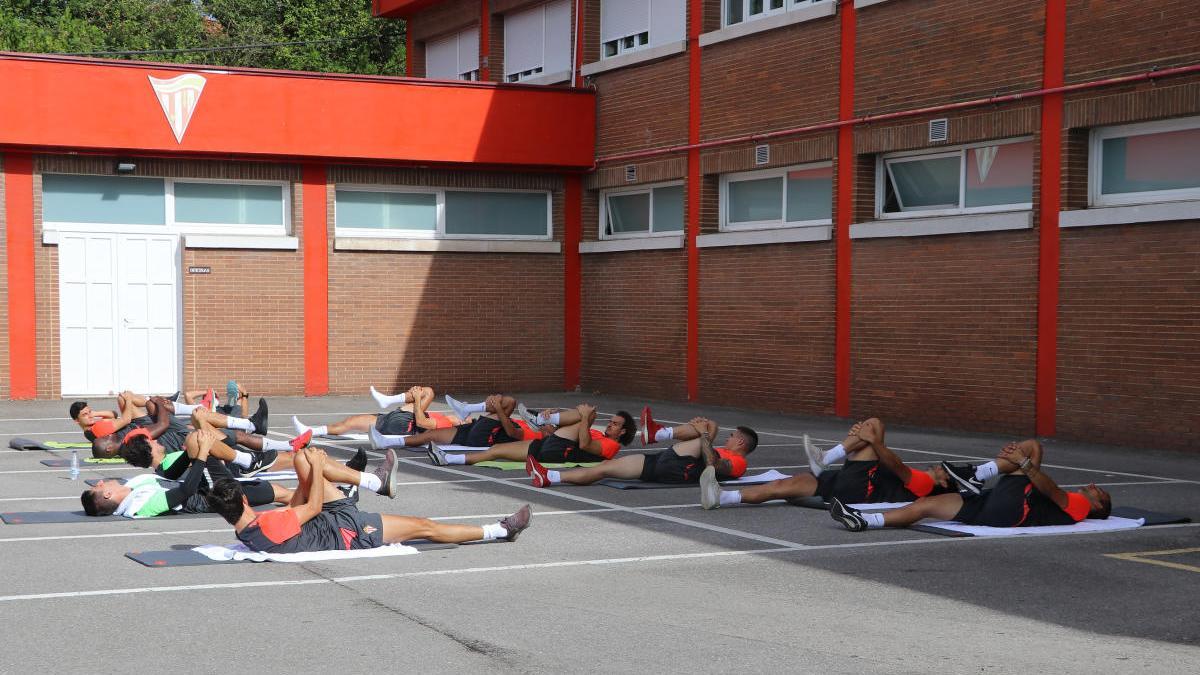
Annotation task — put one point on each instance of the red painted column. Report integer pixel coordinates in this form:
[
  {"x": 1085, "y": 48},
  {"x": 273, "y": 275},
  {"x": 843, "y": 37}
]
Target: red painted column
[
  {"x": 845, "y": 215},
  {"x": 485, "y": 42},
  {"x": 1050, "y": 202},
  {"x": 695, "y": 26},
  {"x": 22, "y": 317},
  {"x": 408, "y": 48},
  {"x": 316, "y": 281},
  {"x": 572, "y": 282}
]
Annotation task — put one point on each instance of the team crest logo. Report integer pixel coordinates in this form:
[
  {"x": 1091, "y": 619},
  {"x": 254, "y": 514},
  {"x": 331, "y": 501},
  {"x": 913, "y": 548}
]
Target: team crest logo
[
  {"x": 178, "y": 97},
  {"x": 368, "y": 529}
]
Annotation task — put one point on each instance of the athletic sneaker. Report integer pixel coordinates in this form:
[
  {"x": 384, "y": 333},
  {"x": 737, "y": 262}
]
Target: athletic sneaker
[
  {"x": 351, "y": 492},
  {"x": 174, "y": 398},
  {"x": 435, "y": 454},
  {"x": 359, "y": 461},
  {"x": 517, "y": 522},
  {"x": 850, "y": 518},
  {"x": 649, "y": 429},
  {"x": 231, "y": 392},
  {"x": 458, "y": 407},
  {"x": 261, "y": 462},
  {"x": 537, "y": 472},
  {"x": 964, "y": 477},
  {"x": 816, "y": 462},
  {"x": 378, "y": 442},
  {"x": 530, "y": 418},
  {"x": 259, "y": 418},
  {"x": 710, "y": 489},
  {"x": 300, "y": 442},
  {"x": 207, "y": 401},
  {"x": 389, "y": 474}
]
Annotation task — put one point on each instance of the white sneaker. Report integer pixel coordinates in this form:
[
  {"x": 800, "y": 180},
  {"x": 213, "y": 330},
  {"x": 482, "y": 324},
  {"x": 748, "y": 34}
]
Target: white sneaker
[
  {"x": 816, "y": 462},
  {"x": 458, "y": 407},
  {"x": 710, "y": 489},
  {"x": 378, "y": 442},
  {"x": 436, "y": 454},
  {"x": 529, "y": 417}
]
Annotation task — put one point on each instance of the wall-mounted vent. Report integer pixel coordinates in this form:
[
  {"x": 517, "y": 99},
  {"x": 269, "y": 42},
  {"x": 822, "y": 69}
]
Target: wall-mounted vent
[
  {"x": 762, "y": 154},
  {"x": 631, "y": 174},
  {"x": 939, "y": 130}
]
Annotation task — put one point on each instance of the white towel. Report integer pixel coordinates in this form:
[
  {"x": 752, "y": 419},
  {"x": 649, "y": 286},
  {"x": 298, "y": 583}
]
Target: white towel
[
  {"x": 764, "y": 477},
  {"x": 878, "y": 506},
  {"x": 1107, "y": 525},
  {"x": 240, "y": 552},
  {"x": 271, "y": 475}
]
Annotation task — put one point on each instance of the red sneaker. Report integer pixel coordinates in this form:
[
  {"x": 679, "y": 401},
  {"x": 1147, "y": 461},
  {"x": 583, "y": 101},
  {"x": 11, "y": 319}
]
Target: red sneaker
[
  {"x": 649, "y": 427},
  {"x": 537, "y": 472},
  {"x": 300, "y": 442},
  {"x": 207, "y": 401}
]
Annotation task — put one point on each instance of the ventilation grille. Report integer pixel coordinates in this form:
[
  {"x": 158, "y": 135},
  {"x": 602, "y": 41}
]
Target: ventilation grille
[
  {"x": 939, "y": 130},
  {"x": 631, "y": 174},
  {"x": 762, "y": 154}
]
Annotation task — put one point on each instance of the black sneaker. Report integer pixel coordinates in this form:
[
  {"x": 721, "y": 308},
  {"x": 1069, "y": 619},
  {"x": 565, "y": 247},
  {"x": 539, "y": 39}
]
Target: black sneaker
[
  {"x": 964, "y": 478},
  {"x": 174, "y": 398},
  {"x": 849, "y": 518},
  {"x": 436, "y": 455},
  {"x": 259, "y": 418},
  {"x": 262, "y": 461},
  {"x": 517, "y": 522},
  {"x": 359, "y": 461}
]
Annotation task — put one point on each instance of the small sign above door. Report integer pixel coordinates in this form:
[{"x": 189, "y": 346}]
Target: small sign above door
[{"x": 199, "y": 270}]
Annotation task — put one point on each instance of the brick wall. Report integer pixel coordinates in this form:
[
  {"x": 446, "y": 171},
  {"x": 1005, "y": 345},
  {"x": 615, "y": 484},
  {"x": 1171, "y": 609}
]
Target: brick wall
[
  {"x": 943, "y": 330},
  {"x": 1129, "y": 334},
  {"x": 456, "y": 321},
  {"x": 443, "y": 18},
  {"x": 912, "y": 54},
  {"x": 642, "y": 106},
  {"x": 4, "y": 378},
  {"x": 766, "y": 327},
  {"x": 1105, "y": 39}
]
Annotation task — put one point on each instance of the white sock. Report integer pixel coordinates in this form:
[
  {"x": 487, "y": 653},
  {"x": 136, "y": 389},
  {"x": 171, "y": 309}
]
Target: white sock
[
  {"x": 834, "y": 454},
  {"x": 272, "y": 444},
  {"x": 184, "y": 408},
  {"x": 243, "y": 459},
  {"x": 664, "y": 434},
  {"x": 494, "y": 531},
  {"x": 551, "y": 418},
  {"x": 874, "y": 520},
  {"x": 455, "y": 459},
  {"x": 469, "y": 408},
  {"x": 986, "y": 471},
  {"x": 386, "y": 401},
  {"x": 731, "y": 497},
  {"x": 299, "y": 426},
  {"x": 320, "y": 430},
  {"x": 239, "y": 423},
  {"x": 369, "y": 481},
  {"x": 553, "y": 476}
]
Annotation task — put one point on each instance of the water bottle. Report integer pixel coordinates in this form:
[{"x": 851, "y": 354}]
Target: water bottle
[{"x": 74, "y": 465}]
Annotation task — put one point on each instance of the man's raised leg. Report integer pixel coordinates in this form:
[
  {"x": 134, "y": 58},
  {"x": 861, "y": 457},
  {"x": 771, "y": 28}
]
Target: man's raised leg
[{"x": 626, "y": 468}]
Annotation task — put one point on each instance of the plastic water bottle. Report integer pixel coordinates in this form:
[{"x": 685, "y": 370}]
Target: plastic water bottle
[{"x": 74, "y": 465}]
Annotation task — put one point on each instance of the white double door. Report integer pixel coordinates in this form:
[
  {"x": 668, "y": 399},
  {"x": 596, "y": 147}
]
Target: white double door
[{"x": 119, "y": 312}]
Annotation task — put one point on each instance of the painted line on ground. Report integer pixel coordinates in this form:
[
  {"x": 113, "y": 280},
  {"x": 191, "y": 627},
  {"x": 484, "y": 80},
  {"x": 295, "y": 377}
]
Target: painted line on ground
[{"x": 1147, "y": 557}]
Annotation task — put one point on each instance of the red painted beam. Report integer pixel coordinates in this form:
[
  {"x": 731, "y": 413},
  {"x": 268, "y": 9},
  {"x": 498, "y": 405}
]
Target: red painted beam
[
  {"x": 316, "y": 280},
  {"x": 692, "y": 362},
  {"x": 1050, "y": 202},
  {"x": 845, "y": 216},
  {"x": 22, "y": 316},
  {"x": 572, "y": 282}
]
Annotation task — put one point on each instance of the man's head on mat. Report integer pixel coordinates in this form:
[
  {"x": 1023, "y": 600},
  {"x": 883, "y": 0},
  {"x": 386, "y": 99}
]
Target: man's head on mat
[
  {"x": 140, "y": 450},
  {"x": 105, "y": 447},
  {"x": 226, "y": 498},
  {"x": 103, "y": 498},
  {"x": 81, "y": 412},
  {"x": 621, "y": 428},
  {"x": 743, "y": 440},
  {"x": 1100, "y": 500}
]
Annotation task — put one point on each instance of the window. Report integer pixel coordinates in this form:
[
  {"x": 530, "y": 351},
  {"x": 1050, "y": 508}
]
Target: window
[
  {"x": 790, "y": 197},
  {"x": 630, "y": 25},
  {"x": 1151, "y": 162},
  {"x": 737, "y": 11},
  {"x": 995, "y": 176},
  {"x": 455, "y": 57},
  {"x": 647, "y": 210},
  {"x": 537, "y": 41},
  {"x": 421, "y": 212},
  {"x": 189, "y": 206}
]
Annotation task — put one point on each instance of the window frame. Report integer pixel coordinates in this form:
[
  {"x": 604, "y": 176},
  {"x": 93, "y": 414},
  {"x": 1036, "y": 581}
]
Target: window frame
[
  {"x": 788, "y": 5},
  {"x": 1096, "y": 198},
  {"x": 882, "y": 174},
  {"x": 647, "y": 188},
  {"x": 173, "y": 226},
  {"x": 774, "y": 172},
  {"x": 439, "y": 231}
]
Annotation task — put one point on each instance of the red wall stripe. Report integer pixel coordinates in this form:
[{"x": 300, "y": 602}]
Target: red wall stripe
[
  {"x": 1046, "y": 380},
  {"x": 695, "y": 26},
  {"x": 572, "y": 282},
  {"x": 316, "y": 281},
  {"x": 845, "y": 215},
  {"x": 22, "y": 322},
  {"x": 408, "y": 48}
]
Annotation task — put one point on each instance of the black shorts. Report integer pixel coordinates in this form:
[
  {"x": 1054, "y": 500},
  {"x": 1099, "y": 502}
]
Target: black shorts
[
  {"x": 1013, "y": 502},
  {"x": 340, "y": 526},
  {"x": 484, "y": 432},
  {"x": 258, "y": 493},
  {"x": 862, "y": 482},
  {"x": 396, "y": 423},
  {"x": 670, "y": 467},
  {"x": 556, "y": 449}
]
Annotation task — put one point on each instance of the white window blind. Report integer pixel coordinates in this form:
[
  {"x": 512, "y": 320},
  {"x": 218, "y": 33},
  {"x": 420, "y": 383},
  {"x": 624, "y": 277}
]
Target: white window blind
[
  {"x": 619, "y": 18},
  {"x": 558, "y": 36},
  {"x": 667, "y": 21},
  {"x": 468, "y": 51},
  {"x": 524, "y": 40},
  {"x": 441, "y": 58}
]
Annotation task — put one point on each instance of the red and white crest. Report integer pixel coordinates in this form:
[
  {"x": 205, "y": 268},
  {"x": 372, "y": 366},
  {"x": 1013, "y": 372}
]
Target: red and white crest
[{"x": 178, "y": 97}]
